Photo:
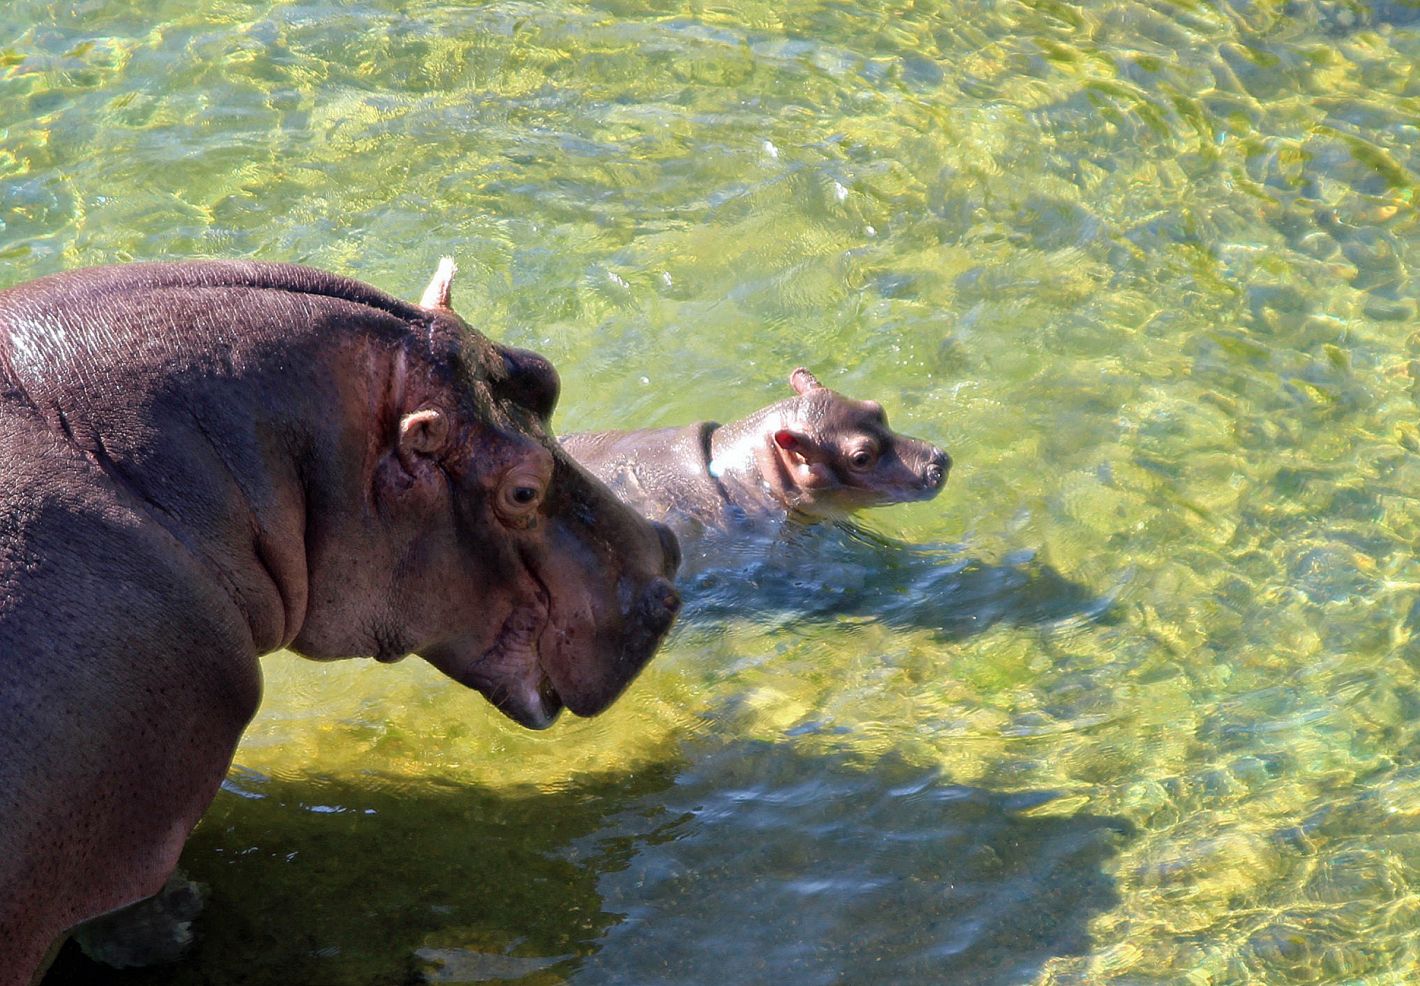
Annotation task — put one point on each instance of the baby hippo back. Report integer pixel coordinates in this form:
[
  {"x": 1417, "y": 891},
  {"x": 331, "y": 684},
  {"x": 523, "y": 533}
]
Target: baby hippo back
[{"x": 815, "y": 456}]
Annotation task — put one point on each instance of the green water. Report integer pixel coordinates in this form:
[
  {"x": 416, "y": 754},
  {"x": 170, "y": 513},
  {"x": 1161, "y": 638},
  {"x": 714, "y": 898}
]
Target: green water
[{"x": 1144, "y": 712}]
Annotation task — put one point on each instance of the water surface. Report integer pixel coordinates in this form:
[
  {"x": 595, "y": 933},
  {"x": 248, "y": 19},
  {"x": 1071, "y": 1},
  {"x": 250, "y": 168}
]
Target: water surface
[{"x": 1140, "y": 707}]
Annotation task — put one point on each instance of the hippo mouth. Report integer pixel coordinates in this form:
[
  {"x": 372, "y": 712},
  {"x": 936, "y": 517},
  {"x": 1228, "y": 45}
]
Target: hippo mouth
[
  {"x": 514, "y": 678},
  {"x": 510, "y": 672},
  {"x": 542, "y": 659},
  {"x": 912, "y": 489},
  {"x": 914, "y": 493}
]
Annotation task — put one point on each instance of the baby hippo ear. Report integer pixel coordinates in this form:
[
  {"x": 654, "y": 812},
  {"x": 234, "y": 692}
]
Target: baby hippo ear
[
  {"x": 794, "y": 441},
  {"x": 809, "y": 464},
  {"x": 422, "y": 434},
  {"x": 803, "y": 381}
]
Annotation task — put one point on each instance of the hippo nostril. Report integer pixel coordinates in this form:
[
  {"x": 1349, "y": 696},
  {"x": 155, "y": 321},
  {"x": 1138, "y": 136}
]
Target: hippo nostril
[
  {"x": 936, "y": 472},
  {"x": 670, "y": 545},
  {"x": 662, "y": 602}
]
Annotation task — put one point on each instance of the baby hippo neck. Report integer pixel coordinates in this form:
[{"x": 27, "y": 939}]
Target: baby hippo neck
[{"x": 746, "y": 463}]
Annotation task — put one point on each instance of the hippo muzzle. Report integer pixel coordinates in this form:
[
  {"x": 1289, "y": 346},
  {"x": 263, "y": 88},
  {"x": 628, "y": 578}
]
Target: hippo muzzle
[{"x": 594, "y": 598}]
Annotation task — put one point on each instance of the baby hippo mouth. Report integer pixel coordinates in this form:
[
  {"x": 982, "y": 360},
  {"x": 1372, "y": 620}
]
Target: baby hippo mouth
[{"x": 921, "y": 481}]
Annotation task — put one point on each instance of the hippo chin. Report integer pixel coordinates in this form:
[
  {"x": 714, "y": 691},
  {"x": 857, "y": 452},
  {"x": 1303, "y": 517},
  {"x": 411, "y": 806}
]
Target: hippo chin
[
  {"x": 207, "y": 461},
  {"x": 815, "y": 456}
]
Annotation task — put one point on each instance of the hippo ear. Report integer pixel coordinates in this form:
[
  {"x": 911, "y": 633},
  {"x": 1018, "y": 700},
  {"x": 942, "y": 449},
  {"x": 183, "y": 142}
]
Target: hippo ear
[
  {"x": 789, "y": 441},
  {"x": 809, "y": 465},
  {"x": 411, "y": 473},
  {"x": 801, "y": 445},
  {"x": 440, "y": 290},
  {"x": 422, "y": 433},
  {"x": 803, "y": 381}
]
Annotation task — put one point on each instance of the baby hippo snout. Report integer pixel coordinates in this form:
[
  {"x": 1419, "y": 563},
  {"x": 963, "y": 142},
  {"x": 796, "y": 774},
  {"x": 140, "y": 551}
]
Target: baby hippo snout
[{"x": 937, "y": 468}]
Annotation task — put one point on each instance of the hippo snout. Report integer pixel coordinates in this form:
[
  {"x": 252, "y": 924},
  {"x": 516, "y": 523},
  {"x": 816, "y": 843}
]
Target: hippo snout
[
  {"x": 670, "y": 545},
  {"x": 660, "y": 602},
  {"x": 937, "y": 468}
]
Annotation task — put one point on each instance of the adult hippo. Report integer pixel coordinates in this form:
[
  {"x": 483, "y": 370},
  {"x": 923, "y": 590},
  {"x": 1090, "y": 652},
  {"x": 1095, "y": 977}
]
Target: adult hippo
[{"x": 204, "y": 462}]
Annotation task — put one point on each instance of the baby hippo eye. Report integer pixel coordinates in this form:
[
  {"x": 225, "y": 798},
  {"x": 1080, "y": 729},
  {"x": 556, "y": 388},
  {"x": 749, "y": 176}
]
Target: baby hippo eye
[
  {"x": 861, "y": 459},
  {"x": 523, "y": 495}
]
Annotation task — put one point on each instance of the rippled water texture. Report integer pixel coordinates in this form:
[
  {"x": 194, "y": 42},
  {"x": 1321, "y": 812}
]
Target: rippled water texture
[{"x": 1140, "y": 707}]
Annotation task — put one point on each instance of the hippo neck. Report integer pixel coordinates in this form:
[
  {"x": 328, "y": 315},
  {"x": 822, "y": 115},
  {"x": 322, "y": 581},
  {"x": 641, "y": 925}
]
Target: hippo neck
[
  {"x": 743, "y": 459},
  {"x": 231, "y": 436},
  {"x": 226, "y": 478}
]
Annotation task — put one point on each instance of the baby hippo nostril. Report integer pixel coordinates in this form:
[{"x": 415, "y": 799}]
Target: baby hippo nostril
[{"x": 936, "y": 472}]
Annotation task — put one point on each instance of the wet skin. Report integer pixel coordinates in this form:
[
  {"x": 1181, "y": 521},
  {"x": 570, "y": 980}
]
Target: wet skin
[
  {"x": 208, "y": 461},
  {"x": 815, "y": 456}
]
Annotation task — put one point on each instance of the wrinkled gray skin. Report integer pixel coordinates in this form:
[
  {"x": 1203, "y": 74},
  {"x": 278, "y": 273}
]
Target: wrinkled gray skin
[
  {"x": 203, "y": 462},
  {"x": 815, "y": 456}
]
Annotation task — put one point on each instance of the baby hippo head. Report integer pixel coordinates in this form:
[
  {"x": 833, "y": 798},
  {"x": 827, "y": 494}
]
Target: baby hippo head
[{"x": 834, "y": 455}]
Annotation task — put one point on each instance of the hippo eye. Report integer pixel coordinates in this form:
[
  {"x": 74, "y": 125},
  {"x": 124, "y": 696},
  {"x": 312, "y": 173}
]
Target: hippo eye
[
  {"x": 518, "y": 501},
  {"x": 521, "y": 496},
  {"x": 861, "y": 459}
]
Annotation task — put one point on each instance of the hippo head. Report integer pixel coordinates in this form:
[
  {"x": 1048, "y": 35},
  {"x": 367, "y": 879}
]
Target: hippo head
[
  {"x": 513, "y": 571},
  {"x": 828, "y": 455}
]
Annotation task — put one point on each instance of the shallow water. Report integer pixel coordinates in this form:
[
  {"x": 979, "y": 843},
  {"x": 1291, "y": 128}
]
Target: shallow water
[{"x": 1139, "y": 707}]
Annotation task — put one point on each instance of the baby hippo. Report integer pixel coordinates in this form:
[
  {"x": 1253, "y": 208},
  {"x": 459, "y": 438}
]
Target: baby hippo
[{"x": 815, "y": 456}]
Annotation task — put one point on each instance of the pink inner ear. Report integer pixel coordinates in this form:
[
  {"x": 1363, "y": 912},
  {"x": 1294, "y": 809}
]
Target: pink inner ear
[{"x": 785, "y": 439}]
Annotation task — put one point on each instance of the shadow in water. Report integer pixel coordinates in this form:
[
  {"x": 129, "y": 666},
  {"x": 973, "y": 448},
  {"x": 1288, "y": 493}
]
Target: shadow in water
[
  {"x": 833, "y": 570},
  {"x": 738, "y": 862}
]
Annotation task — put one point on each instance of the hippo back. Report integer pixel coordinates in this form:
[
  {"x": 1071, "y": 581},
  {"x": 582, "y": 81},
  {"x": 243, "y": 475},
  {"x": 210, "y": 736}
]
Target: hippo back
[{"x": 664, "y": 473}]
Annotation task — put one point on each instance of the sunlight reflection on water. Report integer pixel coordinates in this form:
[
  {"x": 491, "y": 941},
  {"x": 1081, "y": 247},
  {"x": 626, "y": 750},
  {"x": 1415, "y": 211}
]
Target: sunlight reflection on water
[{"x": 1137, "y": 706}]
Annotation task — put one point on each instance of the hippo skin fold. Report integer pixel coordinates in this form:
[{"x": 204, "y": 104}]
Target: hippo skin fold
[{"x": 207, "y": 461}]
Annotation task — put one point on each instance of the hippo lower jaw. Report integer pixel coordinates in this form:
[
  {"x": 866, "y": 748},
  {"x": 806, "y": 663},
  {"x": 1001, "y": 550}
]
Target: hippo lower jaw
[
  {"x": 533, "y": 708},
  {"x": 519, "y": 687},
  {"x": 848, "y": 501},
  {"x": 542, "y": 661},
  {"x": 509, "y": 673}
]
